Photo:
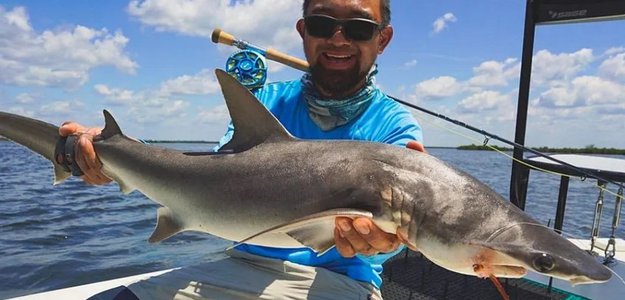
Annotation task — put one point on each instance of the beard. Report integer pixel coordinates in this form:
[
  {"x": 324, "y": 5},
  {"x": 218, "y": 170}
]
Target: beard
[{"x": 337, "y": 83}]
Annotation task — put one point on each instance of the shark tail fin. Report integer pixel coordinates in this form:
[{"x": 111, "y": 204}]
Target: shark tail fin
[
  {"x": 111, "y": 127},
  {"x": 36, "y": 135}
]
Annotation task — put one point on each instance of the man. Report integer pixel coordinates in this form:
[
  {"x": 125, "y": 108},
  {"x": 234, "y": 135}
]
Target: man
[{"x": 338, "y": 99}]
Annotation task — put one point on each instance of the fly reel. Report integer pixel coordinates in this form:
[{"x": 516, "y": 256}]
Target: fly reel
[{"x": 248, "y": 67}]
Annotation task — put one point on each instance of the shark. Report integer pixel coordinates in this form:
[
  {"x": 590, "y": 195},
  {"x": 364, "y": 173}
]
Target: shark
[{"x": 266, "y": 187}]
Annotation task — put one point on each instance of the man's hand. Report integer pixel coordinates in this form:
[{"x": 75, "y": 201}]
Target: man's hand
[
  {"x": 362, "y": 236},
  {"x": 85, "y": 155}
]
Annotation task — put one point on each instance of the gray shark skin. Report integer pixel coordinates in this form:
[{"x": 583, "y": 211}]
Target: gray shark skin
[{"x": 268, "y": 188}]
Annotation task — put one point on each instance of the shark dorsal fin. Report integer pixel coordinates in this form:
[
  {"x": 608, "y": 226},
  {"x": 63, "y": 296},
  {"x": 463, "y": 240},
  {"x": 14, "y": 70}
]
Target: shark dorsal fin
[
  {"x": 253, "y": 123},
  {"x": 110, "y": 126}
]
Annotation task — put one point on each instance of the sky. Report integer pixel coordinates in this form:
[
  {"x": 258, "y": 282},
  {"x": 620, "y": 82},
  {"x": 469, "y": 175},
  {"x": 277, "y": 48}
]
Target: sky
[{"x": 151, "y": 64}]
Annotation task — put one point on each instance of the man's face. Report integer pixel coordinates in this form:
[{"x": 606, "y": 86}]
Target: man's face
[{"x": 338, "y": 64}]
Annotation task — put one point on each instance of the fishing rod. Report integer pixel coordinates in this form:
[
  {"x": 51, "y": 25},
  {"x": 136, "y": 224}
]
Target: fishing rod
[{"x": 219, "y": 36}]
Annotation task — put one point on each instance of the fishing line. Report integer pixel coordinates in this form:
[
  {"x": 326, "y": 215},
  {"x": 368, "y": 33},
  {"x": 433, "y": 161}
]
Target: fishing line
[
  {"x": 493, "y": 148},
  {"x": 516, "y": 145}
]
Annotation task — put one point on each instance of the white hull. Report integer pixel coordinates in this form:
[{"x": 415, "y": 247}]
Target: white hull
[{"x": 82, "y": 292}]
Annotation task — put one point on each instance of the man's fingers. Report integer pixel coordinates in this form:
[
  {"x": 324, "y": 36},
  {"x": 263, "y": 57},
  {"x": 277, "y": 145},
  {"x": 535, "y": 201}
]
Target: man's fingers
[
  {"x": 362, "y": 236},
  {"x": 414, "y": 145},
  {"x": 88, "y": 162},
  {"x": 342, "y": 245},
  {"x": 355, "y": 236},
  {"x": 69, "y": 128},
  {"x": 378, "y": 240}
]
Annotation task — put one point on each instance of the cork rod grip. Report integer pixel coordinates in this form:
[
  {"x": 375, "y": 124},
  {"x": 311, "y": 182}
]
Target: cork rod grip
[{"x": 286, "y": 59}]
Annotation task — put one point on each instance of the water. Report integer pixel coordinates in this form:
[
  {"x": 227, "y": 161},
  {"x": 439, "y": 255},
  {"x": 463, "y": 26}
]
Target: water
[{"x": 59, "y": 236}]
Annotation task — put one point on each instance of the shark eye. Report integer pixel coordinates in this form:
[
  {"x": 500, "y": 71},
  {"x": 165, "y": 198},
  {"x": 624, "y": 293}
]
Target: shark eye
[{"x": 543, "y": 262}]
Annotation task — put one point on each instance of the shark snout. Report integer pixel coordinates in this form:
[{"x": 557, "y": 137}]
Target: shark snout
[{"x": 599, "y": 274}]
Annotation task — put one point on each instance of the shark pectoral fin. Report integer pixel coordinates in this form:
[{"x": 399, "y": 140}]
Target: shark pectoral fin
[
  {"x": 166, "y": 226},
  {"x": 314, "y": 231}
]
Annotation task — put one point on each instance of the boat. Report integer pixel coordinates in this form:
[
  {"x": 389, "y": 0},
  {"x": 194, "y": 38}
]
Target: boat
[{"x": 409, "y": 275}]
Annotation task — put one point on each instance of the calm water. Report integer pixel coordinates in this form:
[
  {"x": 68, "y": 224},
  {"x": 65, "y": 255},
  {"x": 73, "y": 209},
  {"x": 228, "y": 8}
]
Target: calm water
[{"x": 58, "y": 236}]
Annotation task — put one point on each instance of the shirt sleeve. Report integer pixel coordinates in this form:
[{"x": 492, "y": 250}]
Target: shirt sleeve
[{"x": 395, "y": 125}]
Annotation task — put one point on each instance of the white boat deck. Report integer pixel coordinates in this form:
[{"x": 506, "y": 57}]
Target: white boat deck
[{"x": 82, "y": 292}]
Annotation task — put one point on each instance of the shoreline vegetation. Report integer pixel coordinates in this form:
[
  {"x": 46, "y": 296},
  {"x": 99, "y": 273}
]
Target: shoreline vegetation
[{"x": 590, "y": 149}]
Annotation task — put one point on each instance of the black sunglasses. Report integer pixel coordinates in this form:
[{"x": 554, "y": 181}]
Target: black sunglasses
[{"x": 357, "y": 29}]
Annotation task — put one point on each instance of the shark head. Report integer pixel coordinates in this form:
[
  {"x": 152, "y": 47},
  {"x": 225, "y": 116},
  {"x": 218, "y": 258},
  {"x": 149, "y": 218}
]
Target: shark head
[{"x": 538, "y": 248}]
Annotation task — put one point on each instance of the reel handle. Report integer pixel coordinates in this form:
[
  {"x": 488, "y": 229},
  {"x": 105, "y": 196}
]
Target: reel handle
[{"x": 220, "y": 36}]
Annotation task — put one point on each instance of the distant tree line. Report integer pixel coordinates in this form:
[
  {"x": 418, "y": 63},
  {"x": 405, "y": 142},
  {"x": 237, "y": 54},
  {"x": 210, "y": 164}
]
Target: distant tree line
[{"x": 590, "y": 149}]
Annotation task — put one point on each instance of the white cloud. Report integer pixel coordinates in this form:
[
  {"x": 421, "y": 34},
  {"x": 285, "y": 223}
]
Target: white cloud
[
  {"x": 614, "y": 67},
  {"x": 202, "y": 83},
  {"x": 614, "y": 51},
  {"x": 268, "y": 22},
  {"x": 494, "y": 73},
  {"x": 22, "y": 111},
  {"x": 164, "y": 102},
  {"x": 558, "y": 96},
  {"x": 595, "y": 90},
  {"x": 115, "y": 95},
  {"x": 25, "y": 98},
  {"x": 583, "y": 91},
  {"x": 217, "y": 114},
  {"x": 549, "y": 68},
  {"x": 410, "y": 64},
  {"x": 443, "y": 22},
  {"x": 57, "y": 58},
  {"x": 149, "y": 110},
  {"x": 60, "y": 107},
  {"x": 437, "y": 88},
  {"x": 483, "y": 101}
]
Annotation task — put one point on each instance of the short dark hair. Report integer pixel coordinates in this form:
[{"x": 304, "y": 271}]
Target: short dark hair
[{"x": 385, "y": 7}]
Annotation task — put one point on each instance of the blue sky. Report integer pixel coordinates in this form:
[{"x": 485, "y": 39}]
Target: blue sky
[{"x": 151, "y": 62}]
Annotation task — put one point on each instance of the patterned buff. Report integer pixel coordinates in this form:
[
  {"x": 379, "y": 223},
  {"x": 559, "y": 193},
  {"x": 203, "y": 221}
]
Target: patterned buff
[{"x": 331, "y": 113}]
